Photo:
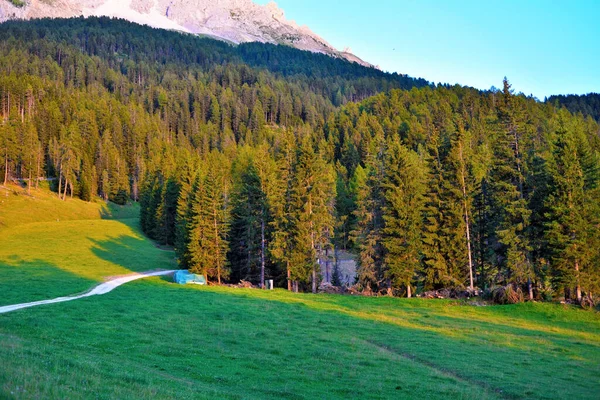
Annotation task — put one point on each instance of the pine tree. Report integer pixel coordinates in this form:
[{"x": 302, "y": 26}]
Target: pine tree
[
  {"x": 210, "y": 220},
  {"x": 572, "y": 211},
  {"x": 404, "y": 191},
  {"x": 30, "y": 153},
  {"x": 166, "y": 212},
  {"x": 150, "y": 202},
  {"x": 313, "y": 198},
  {"x": 438, "y": 224},
  {"x": 281, "y": 206},
  {"x": 367, "y": 235},
  {"x": 248, "y": 225},
  {"x": 266, "y": 169},
  {"x": 461, "y": 181},
  {"x": 510, "y": 204},
  {"x": 8, "y": 147},
  {"x": 183, "y": 215},
  {"x": 345, "y": 205},
  {"x": 70, "y": 161}
]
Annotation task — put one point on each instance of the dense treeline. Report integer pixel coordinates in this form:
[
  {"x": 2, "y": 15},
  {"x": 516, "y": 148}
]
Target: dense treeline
[
  {"x": 95, "y": 102},
  {"x": 256, "y": 173},
  {"x": 587, "y": 104},
  {"x": 430, "y": 188},
  {"x": 144, "y": 54}
]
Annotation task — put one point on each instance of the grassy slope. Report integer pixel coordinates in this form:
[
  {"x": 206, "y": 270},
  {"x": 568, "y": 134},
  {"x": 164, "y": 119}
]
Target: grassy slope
[
  {"x": 18, "y": 208},
  {"x": 154, "y": 339},
  {"x": 72, "y": 250}
]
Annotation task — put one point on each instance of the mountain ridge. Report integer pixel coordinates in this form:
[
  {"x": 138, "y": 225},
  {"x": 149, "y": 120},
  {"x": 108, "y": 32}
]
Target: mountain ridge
[{"x": 235, "y": 21}]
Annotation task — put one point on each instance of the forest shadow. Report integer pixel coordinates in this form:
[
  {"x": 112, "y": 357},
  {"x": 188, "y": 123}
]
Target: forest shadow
[
  {"x": 448, "y": 319},
  {"x": 31, "y": 280},
  {"x": 135, "y": 254},
  {"x": 114, "y": 211}
]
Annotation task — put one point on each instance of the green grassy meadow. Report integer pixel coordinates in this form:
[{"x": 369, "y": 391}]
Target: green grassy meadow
[{"x": 155, "y": 339}]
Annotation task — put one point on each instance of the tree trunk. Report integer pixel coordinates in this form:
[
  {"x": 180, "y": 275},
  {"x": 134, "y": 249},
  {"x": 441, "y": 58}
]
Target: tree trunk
[
  {"x": 217, "y": 246},
  {"x": 6, "y": 168},
  {"x": 314, "y": 279},
  {"x": 37, "y": 171},
  {"x": 468, "y": 233},
  {"x": 312, "y": 245},
  {"x": 60, "y": 182},
  {"x": 578, "y": 287},
  {"x": 289, "y": 275},
  {"x": 262, "y": 253},
  {"x": 530, "y": 289},
  {"x": 29, "y": 183},
  {"x": 408, "y": 291},
  {"x": 467, "y": 226}
]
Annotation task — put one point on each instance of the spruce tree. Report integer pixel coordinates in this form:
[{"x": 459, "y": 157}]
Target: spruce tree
[
  {"x": 572, "y": 211},
  {"x": 367, "y": 235},
  {"x": 510, "y": 205},
  {"x": 461, "y": 183},
  {"x": 281, "y": 205},
  {"x": 210, "y": 220},
  {"x": 404, "y": 190},
  {"x": 313, "y": 197},
  {"x": 183, "y": 214},
  {"x": 438, "y": 223},
  {"x": 247, "y": 230}
]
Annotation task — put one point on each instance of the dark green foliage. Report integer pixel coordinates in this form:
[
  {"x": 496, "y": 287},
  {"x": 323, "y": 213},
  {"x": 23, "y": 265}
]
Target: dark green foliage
[
  {"x": 368, "y": 232},
  {"x": 573, "y": 213},
  {"x": 404, "y": 192},
  {"x": 209, "y": 223},
  {"x": 250, "y": 221},
  {"x": 336, "y": 278},
  {"x": 588, "y": 104},
  {"x": 313, "y": 196},
  {"x": 507, "y": 183},
  {"x": 187, "y": 188}
]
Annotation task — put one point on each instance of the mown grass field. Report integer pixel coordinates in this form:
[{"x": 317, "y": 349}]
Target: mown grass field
[{"x": 152, "y": 338}]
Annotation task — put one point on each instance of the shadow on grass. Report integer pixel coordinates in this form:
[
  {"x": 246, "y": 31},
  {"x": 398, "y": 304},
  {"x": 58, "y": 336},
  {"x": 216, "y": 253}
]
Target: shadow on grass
[
  {"x": 452, "y": 317},
  {"x": 111, "y": 210},
  {"x": 25, "y": 281},
  {"x": 135, "y": 254}
]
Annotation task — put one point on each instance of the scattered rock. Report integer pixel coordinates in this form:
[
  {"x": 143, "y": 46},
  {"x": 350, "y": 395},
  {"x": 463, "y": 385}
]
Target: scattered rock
[
  {"x": 450, "y": 293},
  {"x": 328, "y": 288}
]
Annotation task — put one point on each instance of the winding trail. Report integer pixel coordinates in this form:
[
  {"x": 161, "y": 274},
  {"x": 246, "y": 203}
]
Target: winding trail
[{"x": 102, "y": 288}]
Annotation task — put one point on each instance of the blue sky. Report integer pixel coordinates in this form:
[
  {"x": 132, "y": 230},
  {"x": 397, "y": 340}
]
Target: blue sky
[{"x": 543, "y": 47}]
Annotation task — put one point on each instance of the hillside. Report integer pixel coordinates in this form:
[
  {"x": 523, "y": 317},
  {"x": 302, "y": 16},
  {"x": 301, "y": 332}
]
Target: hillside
[
  {"x": 157, "y": 339},
  {"x": 17, "y": 207}
]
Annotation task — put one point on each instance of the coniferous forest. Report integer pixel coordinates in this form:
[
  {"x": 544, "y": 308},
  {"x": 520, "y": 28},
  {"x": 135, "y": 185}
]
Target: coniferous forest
[{"x": 262, "y": 162}]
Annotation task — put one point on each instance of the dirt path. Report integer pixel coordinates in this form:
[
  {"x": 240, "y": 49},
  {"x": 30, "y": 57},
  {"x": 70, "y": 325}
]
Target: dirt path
[{"x": 103, "y": 288}]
